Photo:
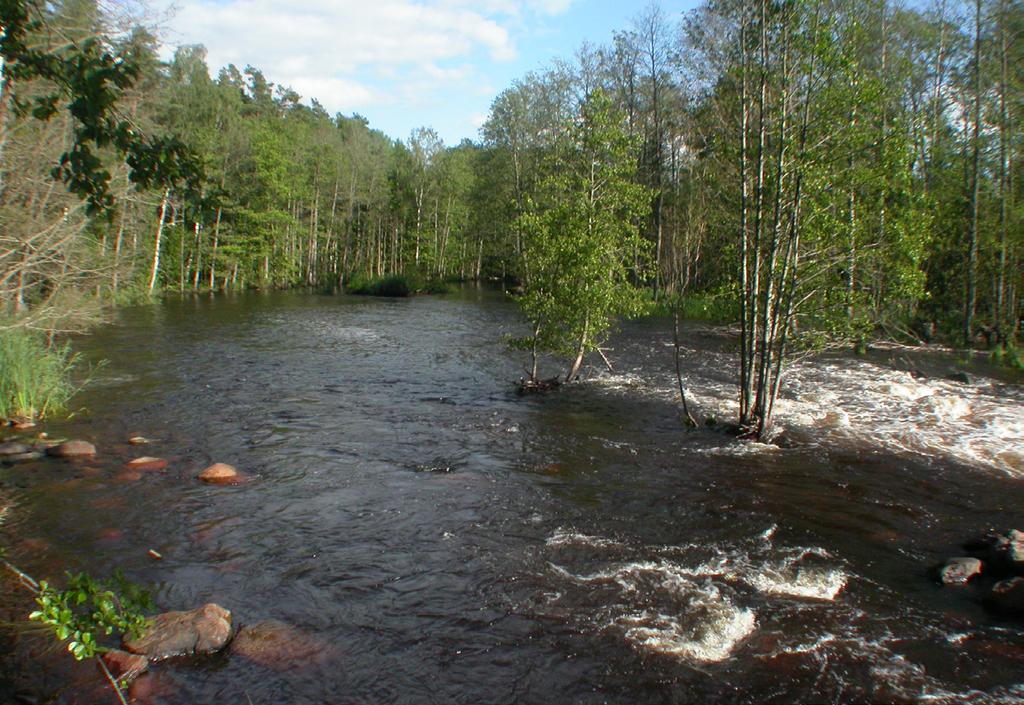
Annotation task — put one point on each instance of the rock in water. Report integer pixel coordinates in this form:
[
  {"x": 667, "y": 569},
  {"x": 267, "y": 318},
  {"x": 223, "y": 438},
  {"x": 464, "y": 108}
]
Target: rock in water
[
  {"x": 1015, "y": 551},
  {"x": 125, "y": 667},
  {"x": 72, "y": 449},
  {"x": 276, "y": 645},
  {"x": 961, "y": 377},
  {"x": 220, "y": 474},
  {"x": 14, "y": 448},
  {"x": 204, "y": 630},
  {"x": 21, "y": 457},
  {"x": 147, "y": 463},
  {"x": 1007, "y": 597},
  {"x": 957, "y": 571},
  {"x": 1003, "y": 553}
]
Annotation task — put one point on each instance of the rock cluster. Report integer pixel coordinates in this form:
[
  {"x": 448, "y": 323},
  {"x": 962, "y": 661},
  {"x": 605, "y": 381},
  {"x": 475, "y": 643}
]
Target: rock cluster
[
  {"x": 998, "y": 558},
  {"x": 208, "y": 630}
]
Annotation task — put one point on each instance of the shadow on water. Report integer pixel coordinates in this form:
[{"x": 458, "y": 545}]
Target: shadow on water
[{"x": 454, "y": 543}]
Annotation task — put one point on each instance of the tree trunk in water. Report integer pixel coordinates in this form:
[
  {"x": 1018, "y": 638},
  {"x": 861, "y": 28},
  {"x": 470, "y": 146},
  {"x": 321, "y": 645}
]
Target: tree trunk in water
[
  {"x": 580, "y": 352},
  {"x": 679, "y": 368},
  {"x": 213, "y": 254}
]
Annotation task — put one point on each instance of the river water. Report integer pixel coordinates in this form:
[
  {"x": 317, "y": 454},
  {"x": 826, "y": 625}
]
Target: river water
[{"x": 441, "y": 540}]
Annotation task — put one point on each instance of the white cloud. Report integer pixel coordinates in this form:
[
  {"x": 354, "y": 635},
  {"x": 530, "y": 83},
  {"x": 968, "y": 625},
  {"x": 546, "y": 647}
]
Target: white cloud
[
  {"x": 352, "y": 55},
  {"x": 337, "y": 91},
  {"x": 550, "y": 7}
]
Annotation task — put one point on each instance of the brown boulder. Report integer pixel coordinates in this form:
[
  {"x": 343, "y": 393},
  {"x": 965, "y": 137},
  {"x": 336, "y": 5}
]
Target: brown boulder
[
  {"x": 276, "y": 645},
  {"x": 123, "y": 666},
  {"x": 146, "y": 463},
  {"x": 957, "y": 571},
  {"x": 204, "y": 630},
  {"x": 221, "y": 474},
  {"x": 72, "y": 449}
]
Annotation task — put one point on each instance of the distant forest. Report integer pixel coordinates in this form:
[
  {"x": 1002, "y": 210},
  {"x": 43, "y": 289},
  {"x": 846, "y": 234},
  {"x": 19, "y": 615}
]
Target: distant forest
[{"x": 851, "y": 166}]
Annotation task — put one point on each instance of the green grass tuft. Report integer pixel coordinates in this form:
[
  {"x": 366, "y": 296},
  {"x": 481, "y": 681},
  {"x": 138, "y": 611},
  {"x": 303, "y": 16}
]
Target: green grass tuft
[{"x": 35, "y": 378}]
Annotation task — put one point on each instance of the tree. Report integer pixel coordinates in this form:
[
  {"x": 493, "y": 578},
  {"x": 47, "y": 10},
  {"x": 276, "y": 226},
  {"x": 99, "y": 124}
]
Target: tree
[{"x": 582, "y": 238}]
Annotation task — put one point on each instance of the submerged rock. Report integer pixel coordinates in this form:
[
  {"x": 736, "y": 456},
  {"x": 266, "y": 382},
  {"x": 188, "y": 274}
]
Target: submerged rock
[
  {"x": 204, "y": 630},
  {"x": 21, "y": 457},
  {"x": 1003, "y": 554},
  {"x": 961, "y": 377},
  {"x": 1007, "y": 597},
  {"x": 957, "y": 571},
  {"x": 14, "y": 448},
  {"x": 125, "y": 667},
  {"x": 72, "y": 449},
  {"x": 221, "y": 474},
  {"x": 146, "y": 463},
  {"x": 276, "y": 645}
]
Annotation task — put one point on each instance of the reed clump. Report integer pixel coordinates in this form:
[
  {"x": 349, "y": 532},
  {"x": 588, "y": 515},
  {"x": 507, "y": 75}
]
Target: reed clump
[{"x": 35, "y": 374}]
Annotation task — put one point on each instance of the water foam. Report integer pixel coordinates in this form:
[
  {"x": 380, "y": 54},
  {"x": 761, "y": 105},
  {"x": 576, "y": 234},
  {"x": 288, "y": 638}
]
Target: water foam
[
  {"x": 689, "y": 608},
  {"x": 858, "y": 401},
  {"x": 811, "y": 584},
  {"x": 709, "y": 639},
  {"x": 562, "y": 537},
  {"x": 704, "y": 625}
]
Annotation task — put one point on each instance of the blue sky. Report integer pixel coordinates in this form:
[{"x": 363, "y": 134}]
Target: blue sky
[{"x": 401, "y": 63}]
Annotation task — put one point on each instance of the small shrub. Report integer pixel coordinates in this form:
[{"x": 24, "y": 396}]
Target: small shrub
[
  {"x": 395, "y": 285},
  {"x": 35, "y": 378},
  {"x": 89, "y": 609},
  {"x": 437, "y": 286}
]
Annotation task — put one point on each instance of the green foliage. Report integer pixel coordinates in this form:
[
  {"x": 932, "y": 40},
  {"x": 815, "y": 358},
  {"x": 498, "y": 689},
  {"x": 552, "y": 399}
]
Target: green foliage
[
  {"x": 395, "y": 286},
  {"x": 87, "y": 79},
  {"x": 35, "y": 378},
  {"x": 583, "y": 251},
  {"x": 436, "y": 286},
  {"x": 715, "y": 307},
  {"x": 88, "y": 609},
  {"x": 1009, "y": 356}
]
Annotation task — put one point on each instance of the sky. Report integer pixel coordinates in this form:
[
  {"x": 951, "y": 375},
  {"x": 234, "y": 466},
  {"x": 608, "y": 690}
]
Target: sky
[{"x": 402, "y": 64}]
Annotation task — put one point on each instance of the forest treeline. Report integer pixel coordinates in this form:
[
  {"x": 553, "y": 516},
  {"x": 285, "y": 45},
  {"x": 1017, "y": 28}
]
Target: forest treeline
[{"x": 832, "y": 168}]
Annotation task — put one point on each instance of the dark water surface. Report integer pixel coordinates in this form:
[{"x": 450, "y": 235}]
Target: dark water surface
[{"x": 445, "y": 541}]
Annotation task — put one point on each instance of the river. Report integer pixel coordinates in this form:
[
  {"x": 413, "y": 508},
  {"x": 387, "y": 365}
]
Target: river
[{"x": 447, "y": 541}]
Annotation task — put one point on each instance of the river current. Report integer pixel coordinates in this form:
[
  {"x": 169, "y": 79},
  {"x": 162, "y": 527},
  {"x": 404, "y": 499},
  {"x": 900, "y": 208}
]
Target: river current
[{"x": 442, "y": 540}]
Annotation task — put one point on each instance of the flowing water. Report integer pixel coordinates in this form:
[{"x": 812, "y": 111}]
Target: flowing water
[{"x": 441, "y": 540}]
